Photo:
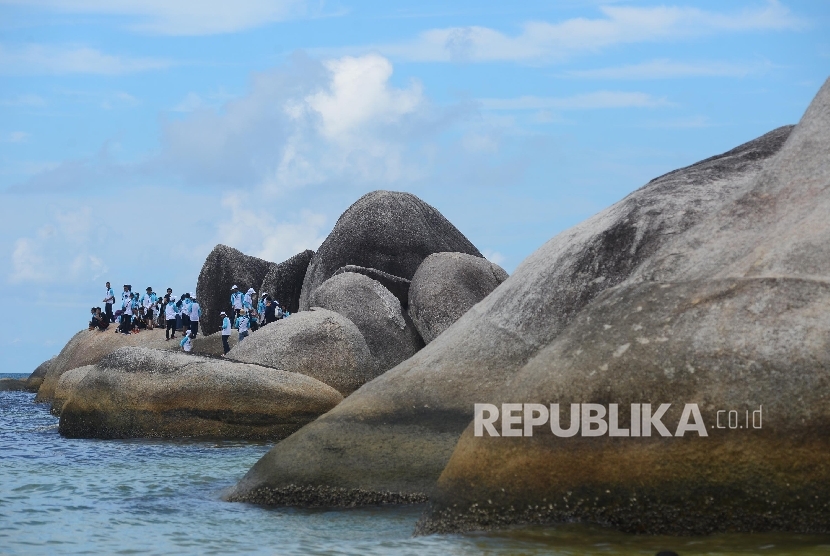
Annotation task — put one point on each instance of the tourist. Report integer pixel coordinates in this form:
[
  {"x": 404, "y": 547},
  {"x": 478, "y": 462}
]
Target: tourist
[
  {"x": 170, "y": 315},
  {"x": 243, "y": 324},
  {"x": 226, "y": 331},
  {"x": 103, "y": 319},
  {"x": 148, "y": 304},
  {"x": 260, "y": 308},
  {"x": 186, "y": 341},
  {"x": 109, "y": 299},
  {"x": 126, "y": 294},
  {"x": 93, "y": 323},
  {"x": 270, "y": 310},
  {"x": 236, "y": 300},
  {"x": 195, "y": 315},
  {"x": 185, "y": 311},
  {"x": 125, "y": 325}
]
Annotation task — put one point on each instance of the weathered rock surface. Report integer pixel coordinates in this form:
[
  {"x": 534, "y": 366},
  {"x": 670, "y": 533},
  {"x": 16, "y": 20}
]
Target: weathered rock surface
[
  {"x": 386, "y": 230},
  {"x": 377, "y": 313},
  {"x": 212, "y": 345},
  {"x": 395, "y": 284},
  {"x": 321, "y": 344},
  {"x": 446, "y": 286},
  {"x": 139, "y": 392},
  {"x": 738, "y": 322},
  {"x": 12, "y": 385},
  {"x": 36, "y": 378},
  {"x": 67, "y": 382},
  {"x": 397, "y": 433},
  {"x": 284, "y": 281},
  {"x": 87, "y": 347},
  {"x": 224, "y": 267}
]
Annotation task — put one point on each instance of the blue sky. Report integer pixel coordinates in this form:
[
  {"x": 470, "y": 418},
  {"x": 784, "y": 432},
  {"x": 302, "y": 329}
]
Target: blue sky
[{"x": 135, "y": 135}]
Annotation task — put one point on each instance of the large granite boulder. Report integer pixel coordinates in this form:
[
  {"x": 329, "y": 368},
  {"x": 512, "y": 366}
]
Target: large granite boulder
[
  {"x": 446, "y": 286},
  {"x": 68, "y": 381},
  {"x": 284, "y": 281},
  {"x": 87, "y": 347},
  {"x": 732, "y": 316},
  {"x": 377, "y": 313},
  {"x": 139, "y": 392},
  {"x": 35, "y": 379},
  {"x": 395, "y": 284},
  {"x": 389, "y": 231},
  {"x": 225, "y": 267},
  {"x": 397, "y": 433},
  {"x": 321, "y": 344},
  {"x": 12, "y": 385}
]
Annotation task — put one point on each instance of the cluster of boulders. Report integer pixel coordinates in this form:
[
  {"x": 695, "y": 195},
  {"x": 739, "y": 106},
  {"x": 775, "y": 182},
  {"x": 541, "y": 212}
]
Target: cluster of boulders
[
  {"x": 388, "y": 255},
  {"x": 707, "y": 286}
]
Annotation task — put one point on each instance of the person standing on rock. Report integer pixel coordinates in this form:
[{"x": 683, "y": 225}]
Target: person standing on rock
[
  {"x": 242, "y": 324},
  {"x": 148, "y": 303},
  {"x": 236, "y": 300},
  {"x": 270, "y": 310},
  {"x": 185, "y": 311},
  {"x": 260, "y": 309},
  {"x": 226, "y": 331},
  {"x": 126, "y": 325},
  {"x": 109, "y": 299},
  {"x": 195, "y": 315},
  {"x": 170, "y": 316}
]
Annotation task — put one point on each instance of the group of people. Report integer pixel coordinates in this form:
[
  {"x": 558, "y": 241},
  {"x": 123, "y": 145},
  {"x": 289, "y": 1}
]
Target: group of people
[
  {"x": 148, "y": 310},
  {"x": 247, "y": 316}
]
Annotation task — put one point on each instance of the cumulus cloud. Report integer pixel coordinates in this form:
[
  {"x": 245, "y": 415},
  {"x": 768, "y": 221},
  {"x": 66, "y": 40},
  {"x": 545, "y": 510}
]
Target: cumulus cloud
[
  {"x": 186, "y": 17},
  {"x": 68, "y": 59},
  {"x": 310, "y": 122},
  {"x": 544, "y": 42}
]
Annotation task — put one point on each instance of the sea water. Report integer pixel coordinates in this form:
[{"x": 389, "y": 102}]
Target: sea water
[{"x": 66, "y": 496}]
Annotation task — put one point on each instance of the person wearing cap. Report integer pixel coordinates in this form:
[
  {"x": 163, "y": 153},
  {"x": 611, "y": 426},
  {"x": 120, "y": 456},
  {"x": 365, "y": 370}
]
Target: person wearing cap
[
  {"x": 170, "y": 316},
  {"x": 243, "y": 323},
  {"x": 195, "y": 315},
  {"x": 109, "y": 299},
  {"x": 226, "y": 331},
  {"x": 148, "y": 303},
  {"x": 186, "y": 341},
  {"x": 236, "y": 300}
]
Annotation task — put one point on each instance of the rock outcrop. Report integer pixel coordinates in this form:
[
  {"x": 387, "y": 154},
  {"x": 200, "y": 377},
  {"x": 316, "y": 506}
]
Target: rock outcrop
[
  {"x": 225, "y": 267},
  {"x": 284, "y": 281},
  {"x": 87, "y": 347},
  {"x": 446, "y": 286},
  {"x": 68, "y": 381},
  {"x": 397, "y": 433},
  {"x": 388, "y": 231},
  {"x": 35, "y": 379},
  {"x": 377, "y": 313},
  {"x": 211, "y": 345},
  {"x": 139, "y": 392},
  {"x": 321, "y": 344},
  {"x": 12, "y": 385},
  {"x": 730, "y": 316},
  {"x": 395, "y": 284}
]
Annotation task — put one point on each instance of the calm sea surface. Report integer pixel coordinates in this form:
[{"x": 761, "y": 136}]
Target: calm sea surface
[{"x": 60, "y": 496}]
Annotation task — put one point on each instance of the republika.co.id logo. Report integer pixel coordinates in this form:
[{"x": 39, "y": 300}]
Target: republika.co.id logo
[{"x": 593, "y": 419}]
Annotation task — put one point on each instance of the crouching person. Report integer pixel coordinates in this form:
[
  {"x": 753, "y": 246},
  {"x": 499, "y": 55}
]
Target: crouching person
[{"x": 186, "y": 343}]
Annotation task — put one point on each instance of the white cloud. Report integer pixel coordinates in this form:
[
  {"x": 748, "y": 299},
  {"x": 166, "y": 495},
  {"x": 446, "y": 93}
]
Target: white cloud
[
  {"x": 543, "y": 42},
  {"x": 586, "y": 101},
  {"x": 68, "y": 59},
  {"x": 494, "y": 257},
  {"x": 667, "y": 69},
  {"x": 185, "y": 17},
  {"x": 260, "y": 233},
  {"x": 17, "y": 137}
]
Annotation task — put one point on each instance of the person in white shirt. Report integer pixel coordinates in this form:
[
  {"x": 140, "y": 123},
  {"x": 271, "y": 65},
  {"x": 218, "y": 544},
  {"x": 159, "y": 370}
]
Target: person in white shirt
[
  {"x": 109, "y": 299},
  {"x": 170, "y": 316},
  {"x": 148, "y": 304},
  {"x": 236, "y": 300},
  {"x": 195, "y": 315},
  {"x": 186, "y": 341},
  {"x": 242, "y": 324},
  {"x": 226, "y": 331},
  {"x": 126, "y": 312}
]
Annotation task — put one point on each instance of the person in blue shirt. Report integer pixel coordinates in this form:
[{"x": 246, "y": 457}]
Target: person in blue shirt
[
  {"x": 260, "y": 309},
  {"x": 170, "y": 317},
  {"x": 195, "y": 314},
  {"x": 226, "y": 331},
  {"x": 186, "y": 343},
  {"x": 148, "y": 305},
  {"x": 236, "y": 300}
]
